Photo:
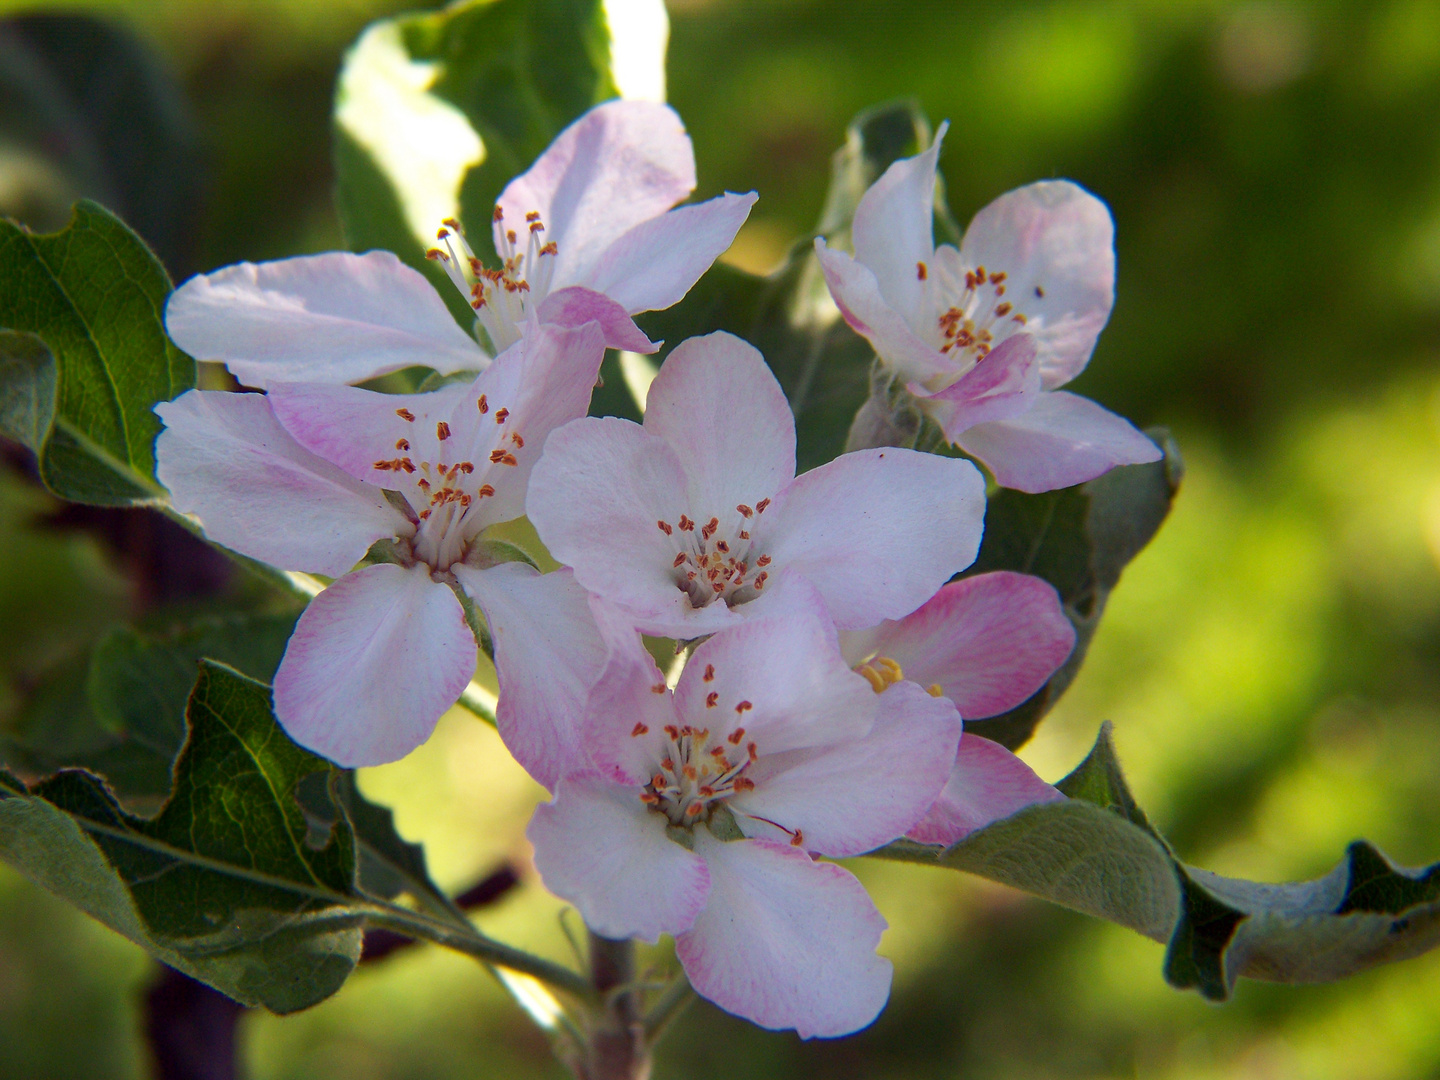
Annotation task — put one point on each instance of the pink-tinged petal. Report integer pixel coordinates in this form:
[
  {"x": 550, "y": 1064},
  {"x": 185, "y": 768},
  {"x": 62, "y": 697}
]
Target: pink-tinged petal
[
  {"x": 987, "y": 784},
  {"x": 621, "y": 163},
  {"x": 629, "y": 705},
  {"x": 654, "y": 264},
  {"x": 334, "y": 318},
  {"x": 988, "y": 641},
  {"x": 548, "y": 653},
  {"x": 1063, "y": 440},
  {"x": 894, "y": 228},
  {"x": 596, "y": 498},
  {"x": 785, "y": 942},
  {"x": 373, "y": 662},
  {"x": 718, "y": 405},
  {"x": 575, "y": 306},
  {"x": 226, "y": 459},
  {"x": 1056, "y": 244},
  {"x": 780, "y": 676},
  {"x": 856, "y": 795},
  {"x": 857, "y": 294},
  {"x": 877, "y": 531},
  {"x": 599, "y": 847},
  {"x": 1003, "y": 385}
]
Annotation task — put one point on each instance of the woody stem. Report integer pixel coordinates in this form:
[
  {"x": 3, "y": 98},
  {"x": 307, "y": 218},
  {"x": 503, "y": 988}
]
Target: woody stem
[{"x": 617, "y": 1048}]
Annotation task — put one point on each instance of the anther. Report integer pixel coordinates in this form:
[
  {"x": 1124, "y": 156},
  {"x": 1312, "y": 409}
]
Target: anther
[
  {"x": 935, "y": 690},
  {"x": 658, "y": 688},
  {"x": 638, "y": 730},
  {"x": 709, "y": 675},
  {"x": 763, "y": 561},
  {"x": 736, "y": 735},
  {"x": 798, "y": 838},
  {"x": 501, "y": 415},
  {"x": 921, "y": 272},
  {"x": 516, "y": 439},
  {"x": 484, "y": 405},
  {"x": 442, "y": 431},
  {"x": 402, "y": 444},
  {"x": 743, "y": 707},
  {"x": 485, "y": 489},
  {"x": 679, "y": 559},
  {"x": 744, "y": 510},
  {"x": 761, "y": 505},
  {"x": 667, "y": 530},
  {"x": 695, "y": 809},
  {"x": 405, "y": 414},
  {"x": 712, "y": 699}
]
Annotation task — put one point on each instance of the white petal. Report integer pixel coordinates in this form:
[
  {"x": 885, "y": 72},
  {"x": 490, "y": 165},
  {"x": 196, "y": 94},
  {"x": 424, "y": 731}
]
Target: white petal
[
  {"x": 226, "y": 459},
  {"x": 335, "y": 318},
  {"x": 1063, "y": 440},
  {"x": 548, "y": 654},
  {"x": 894, "y": 229},
  {"x": 654, "y": 265},
  {"x": 877, "y": 531},
  {"x": 856, "y": 795},
  {"x": 716, "y": 402},
  {"x": 1001, "y": 386},
  {"x": 785, "y": 942},
  {"x": 374, "y": 660},
  {"x": 621, "y": 163},
  {"x": 598, "y": 846},
  {"x": 1056, "y": 244}
]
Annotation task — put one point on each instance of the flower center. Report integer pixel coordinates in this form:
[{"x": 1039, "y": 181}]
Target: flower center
[
  {"x": 973, "y": 315},
  {"x": 697, "y": 772},
  {"x": 444, "y": 490},
  {"x": 502, "y": 298},
  {"x": 718, "y": 563}
]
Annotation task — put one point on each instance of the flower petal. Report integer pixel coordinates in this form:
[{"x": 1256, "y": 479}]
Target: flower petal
[
  {"x": 1064, "y": 439},
  {"x": 785, "y": 942},
  {"x": 548, "y": 654},
  {"x": 335, "y": 317},
  {"x": 1056, "y": 244},
  {"x": 1003, "y": 385},
  {"x": 621, "y": 163},
  {"x": 718, "y": 405},
  {"x": 374, "y": 660},
  {"x": 988, "y": 783},
  {"x": 597, "y": 846},
  {"x": 656, "y": 262},
  {"x": 596, "y": 497},
  {"x": 226, "y": 459},
  {"x": 894, "y": 228},
  {"x": 988, "y": 641},
  {"x": 575, "y": 306},
  {"x": 857, "y": 294},
  {"x": 877, "y": 531},
  {"x": 856, "y": 795},
  {"x": 779, "y": 675}
]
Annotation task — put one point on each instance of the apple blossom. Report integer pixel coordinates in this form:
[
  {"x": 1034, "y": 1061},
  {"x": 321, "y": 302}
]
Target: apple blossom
[
  {"x": 308, "y": 477},
  {"x": 587, "y": 233},
  {"x": 686, "y": 520},
  {"x": 984, "y": 335},
  {"x": 986, "y": 643},
  {"x": 703, "y": 807}
]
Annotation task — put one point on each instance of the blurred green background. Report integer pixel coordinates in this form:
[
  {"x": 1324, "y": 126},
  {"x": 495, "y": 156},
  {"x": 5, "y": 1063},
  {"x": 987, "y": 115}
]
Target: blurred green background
[{"x": 1270, "y": 663}]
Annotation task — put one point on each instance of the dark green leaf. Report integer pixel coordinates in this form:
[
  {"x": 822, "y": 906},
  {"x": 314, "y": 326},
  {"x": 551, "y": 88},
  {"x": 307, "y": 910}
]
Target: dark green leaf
[
  {"x": 95, "y": 296},
  {"x": 1079, "y": 539},
  {"x": 124, "y": 715},
  {"x": 227, "y": 882},
  {"x": 27, "y": 388},
  {"x": 1097, "y": 853}
]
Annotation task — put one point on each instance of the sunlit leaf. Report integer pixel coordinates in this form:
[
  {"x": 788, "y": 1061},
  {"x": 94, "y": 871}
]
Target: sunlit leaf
[
  {"x": 95, "y": 295},
  {"x": 1096, "y": 852},
  {"x": 226, "y": 883}
]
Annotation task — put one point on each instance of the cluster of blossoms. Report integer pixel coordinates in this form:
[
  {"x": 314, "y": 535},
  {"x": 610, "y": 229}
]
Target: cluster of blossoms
[{"x": 826, "y": 652}]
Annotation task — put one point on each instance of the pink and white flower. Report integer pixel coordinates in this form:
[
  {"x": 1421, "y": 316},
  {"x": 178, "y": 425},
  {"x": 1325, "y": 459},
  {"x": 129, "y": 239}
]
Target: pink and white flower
[
  {"x": 704, "y": 806},
  {"x": 985, "y": 643},
  {"x": 588, "y": 233},
  {"x": 985, "y": 335},
  {"x": 308, "y": 477},
  {"x": 686, "y": 520}
]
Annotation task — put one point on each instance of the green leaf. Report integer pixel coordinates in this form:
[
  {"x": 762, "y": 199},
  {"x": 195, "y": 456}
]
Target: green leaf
[
  {"x": 1079, "y": 539},
  {"x": 822, "y": 365},
  {"x": 27, "y": 388},
  {"x": 95, "y": 295},
  {"x": 123, "y": 713},
  {"x": 1096, "y": 852},
  {"x": 227, "y": 883},
  {"x": 436, "y": 112}
]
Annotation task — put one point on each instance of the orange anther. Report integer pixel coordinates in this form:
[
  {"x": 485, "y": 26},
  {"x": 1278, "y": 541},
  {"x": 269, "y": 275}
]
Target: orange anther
[
  {"x": 921, "y": 272},
  {"x": 743, "y": 707},
  {"x": 737, "y": 735},
  {"x": 798, "y": 838},
  {"x": 484, "y": 405},
  {"x": 679, "y": 559},
  {"x": 501, "y": 415},
  {"x": 516, "y": 439},
  {"x": 694, "y": 809},
  {"x": 485, "y": 489},
  {"x": 658, "y": 688},
  {"x": 709, "y": 675},
  {"x": 743, "y": 783},
  {"x": 712, "y": 699},
  {"x": 405, "y": 414},
  {"x": 744, "y": 510},
  {"x": 442, "y": 431},
  {"x": 638, "y": 730},
  {"x": 667, "y": 530},
  {"x": 402, "y": 444},
  {"x": 761, "y": 505}
]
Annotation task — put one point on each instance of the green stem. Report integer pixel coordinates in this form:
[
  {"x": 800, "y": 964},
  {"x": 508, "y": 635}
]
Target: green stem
[
  {"x": 473, "y": 943},
  {"x": 668, "y": 1006}
]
